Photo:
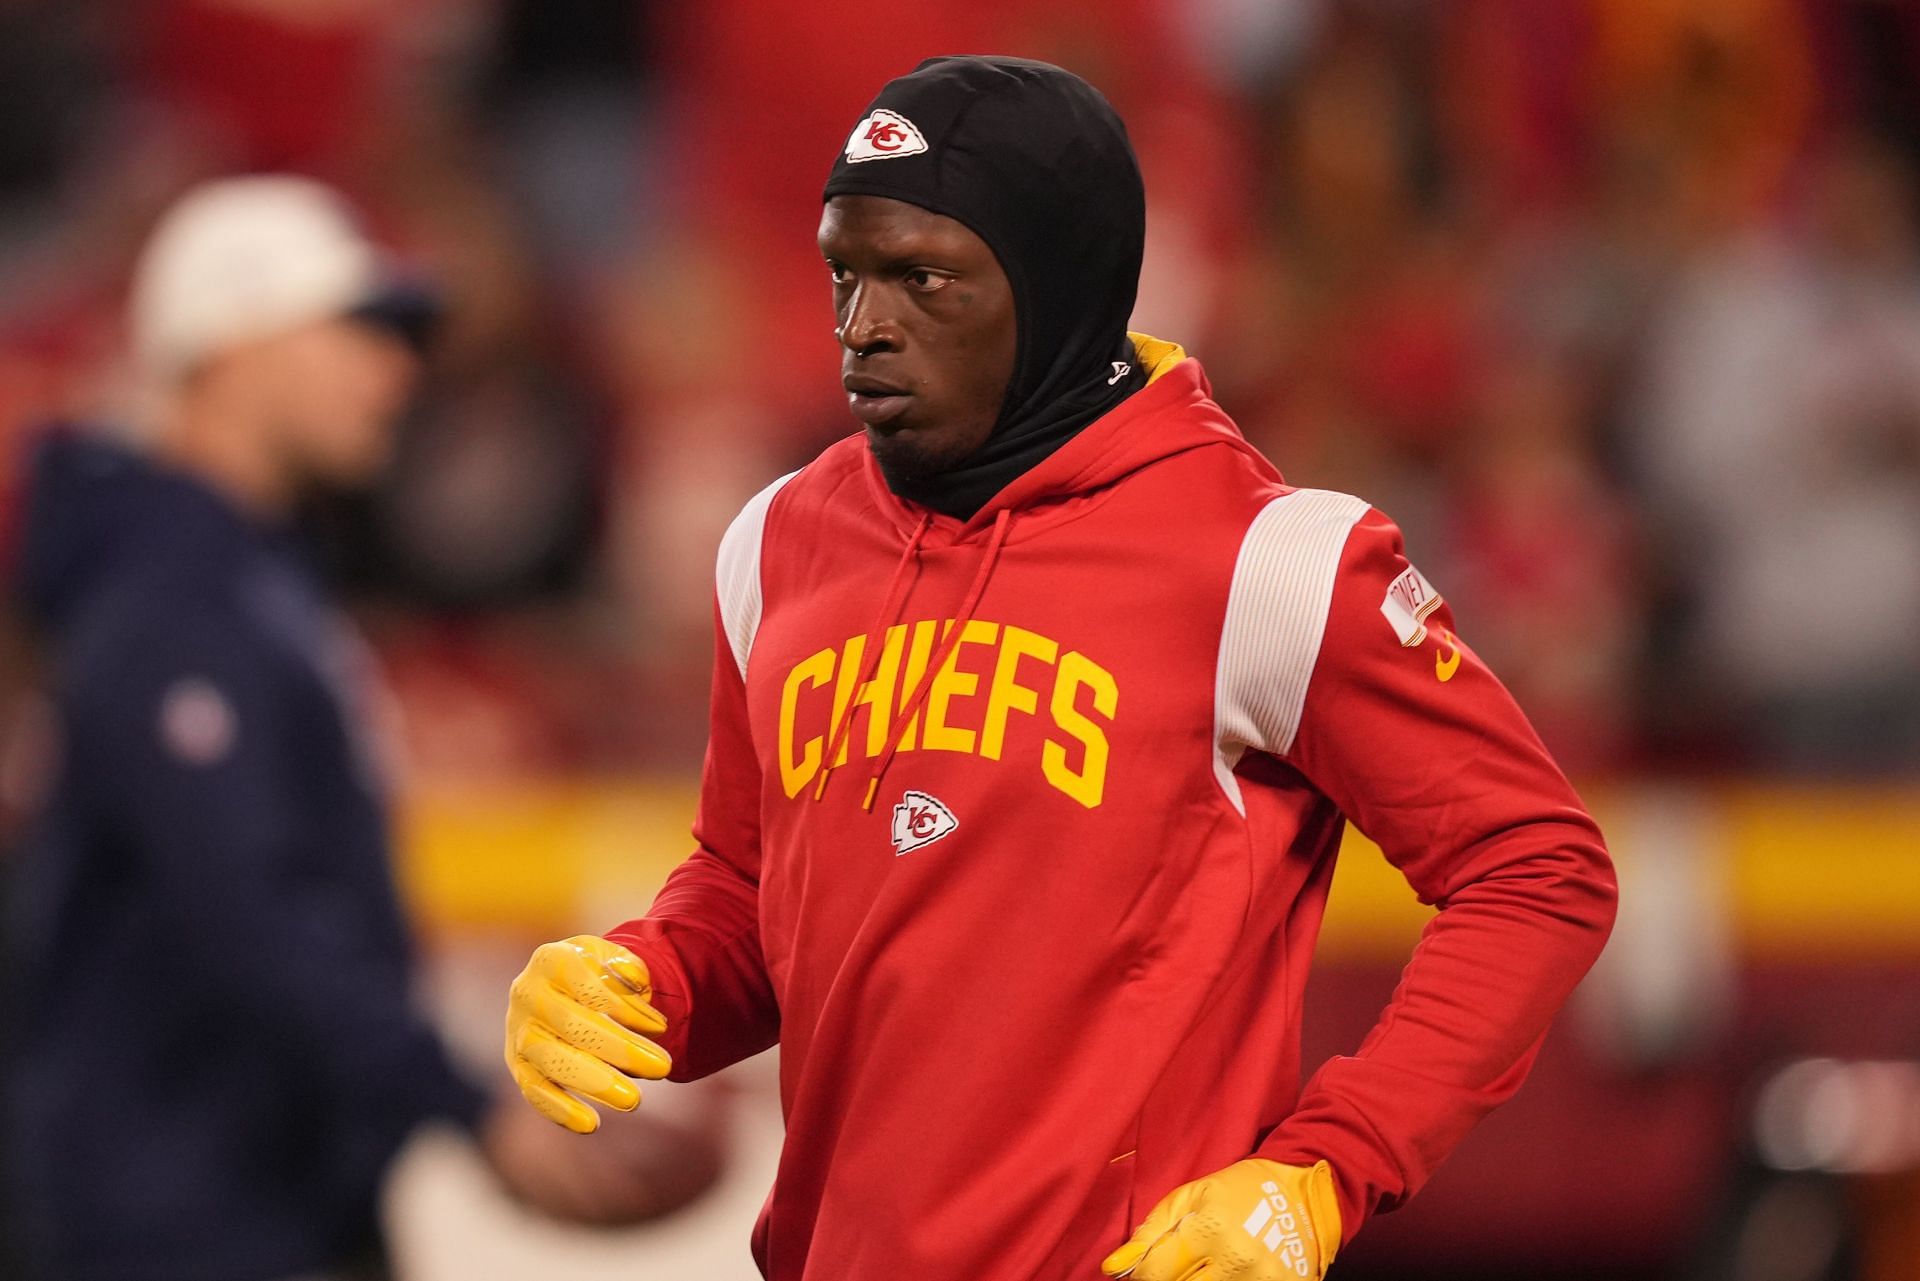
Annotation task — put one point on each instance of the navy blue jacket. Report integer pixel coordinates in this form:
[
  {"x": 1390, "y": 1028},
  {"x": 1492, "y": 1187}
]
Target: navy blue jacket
[{"x": 213, "y": 1055}]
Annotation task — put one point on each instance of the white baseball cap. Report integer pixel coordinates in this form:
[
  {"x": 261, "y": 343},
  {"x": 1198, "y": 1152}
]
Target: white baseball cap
[{"x": 243, "y": 258}]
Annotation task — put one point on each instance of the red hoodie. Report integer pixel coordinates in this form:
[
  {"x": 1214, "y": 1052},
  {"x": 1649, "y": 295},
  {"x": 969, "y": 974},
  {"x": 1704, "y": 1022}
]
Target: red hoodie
[{"x": 1033, "y": 950}]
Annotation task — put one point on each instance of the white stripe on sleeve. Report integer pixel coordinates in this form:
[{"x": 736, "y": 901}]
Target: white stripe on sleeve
[
  {"x": 1276, "y": 617},
  {"x": 737, "y": 572}
]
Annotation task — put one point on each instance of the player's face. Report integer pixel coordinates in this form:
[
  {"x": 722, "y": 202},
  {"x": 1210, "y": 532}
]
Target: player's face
[
  {"x": 926, "y": 330},
  {"x": 337, "y": 390}
]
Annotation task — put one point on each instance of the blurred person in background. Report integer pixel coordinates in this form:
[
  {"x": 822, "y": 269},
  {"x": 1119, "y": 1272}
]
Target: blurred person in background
[
  {"x": 215, "y": 1052},
  {"x": 1779, "y": 438}
]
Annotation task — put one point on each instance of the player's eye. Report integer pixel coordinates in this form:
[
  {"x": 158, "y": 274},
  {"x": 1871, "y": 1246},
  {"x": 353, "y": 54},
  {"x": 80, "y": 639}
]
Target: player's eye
[
  {"x": 925, "y": 278},
  {"x": 838, "y": 271}
]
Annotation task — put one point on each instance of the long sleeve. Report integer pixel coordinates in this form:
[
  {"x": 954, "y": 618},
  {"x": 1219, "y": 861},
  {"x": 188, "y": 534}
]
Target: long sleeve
[
  {"x": 1407, "y": 731},
  {"x": 203, "y": 755},
  {"x": 701, "y": 938}
]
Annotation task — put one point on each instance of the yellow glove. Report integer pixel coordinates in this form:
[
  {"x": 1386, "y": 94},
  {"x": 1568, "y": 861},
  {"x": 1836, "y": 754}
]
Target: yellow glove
[
  {"x": 1256, "y": 1220},
  {"x": 574, "y": 1019}
]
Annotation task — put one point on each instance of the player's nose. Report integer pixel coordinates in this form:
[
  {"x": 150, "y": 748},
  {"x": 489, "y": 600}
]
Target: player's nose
[{"x": 869, "y": 327}]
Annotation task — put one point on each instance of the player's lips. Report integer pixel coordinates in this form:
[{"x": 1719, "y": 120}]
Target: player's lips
[{"x": 874, "y": 401}]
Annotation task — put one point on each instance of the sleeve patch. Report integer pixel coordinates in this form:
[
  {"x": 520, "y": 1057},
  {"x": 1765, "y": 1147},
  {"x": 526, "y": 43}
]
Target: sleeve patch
[{"x": 1409, "y": 602}]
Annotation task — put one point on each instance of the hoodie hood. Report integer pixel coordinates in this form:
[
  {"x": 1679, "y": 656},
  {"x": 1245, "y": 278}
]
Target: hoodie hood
[{"x": 95, "y": 510}]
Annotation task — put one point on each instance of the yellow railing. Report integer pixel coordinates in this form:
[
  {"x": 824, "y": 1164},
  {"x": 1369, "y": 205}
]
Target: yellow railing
[{"x": 1797, "y": 871}]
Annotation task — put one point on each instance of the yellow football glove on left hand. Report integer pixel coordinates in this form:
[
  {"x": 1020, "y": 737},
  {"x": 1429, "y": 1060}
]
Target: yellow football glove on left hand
[{"x": 1256, "y": 1220}]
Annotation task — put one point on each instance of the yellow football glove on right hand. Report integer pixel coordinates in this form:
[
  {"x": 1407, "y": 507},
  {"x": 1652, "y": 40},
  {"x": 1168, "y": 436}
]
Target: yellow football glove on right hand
[
  {"x": 1256, "y": 1220},
  {"x": 575, "y": 1019}
]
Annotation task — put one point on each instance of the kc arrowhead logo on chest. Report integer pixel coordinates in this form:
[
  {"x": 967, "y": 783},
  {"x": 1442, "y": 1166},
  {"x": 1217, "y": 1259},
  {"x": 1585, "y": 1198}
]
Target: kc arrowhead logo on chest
[{"x": 920, "y": 820}]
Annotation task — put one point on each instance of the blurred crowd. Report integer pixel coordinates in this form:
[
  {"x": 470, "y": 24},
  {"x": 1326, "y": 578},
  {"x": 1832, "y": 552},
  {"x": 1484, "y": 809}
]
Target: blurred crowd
[{"x": 1613, "y": 304}]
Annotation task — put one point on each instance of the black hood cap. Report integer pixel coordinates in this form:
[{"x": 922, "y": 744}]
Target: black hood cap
[{"x": 1037, "y": 163}]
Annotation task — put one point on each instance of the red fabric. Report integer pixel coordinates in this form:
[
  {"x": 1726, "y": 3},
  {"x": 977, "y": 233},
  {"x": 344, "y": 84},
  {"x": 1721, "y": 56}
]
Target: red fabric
[
  {"x": 999, "y": 1049},
  {"x": 1453, "y": 784}
]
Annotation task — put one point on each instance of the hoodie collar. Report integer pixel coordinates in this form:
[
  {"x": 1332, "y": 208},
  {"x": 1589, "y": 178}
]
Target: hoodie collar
[{"x": 1174, "y": 413}]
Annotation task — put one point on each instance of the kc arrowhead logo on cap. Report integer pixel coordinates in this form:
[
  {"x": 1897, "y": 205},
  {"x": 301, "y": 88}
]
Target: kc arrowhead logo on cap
[{"x": 884, "y": 135}]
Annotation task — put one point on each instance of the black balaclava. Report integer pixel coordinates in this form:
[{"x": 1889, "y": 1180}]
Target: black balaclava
[{"x": 1036, "y": 163}]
